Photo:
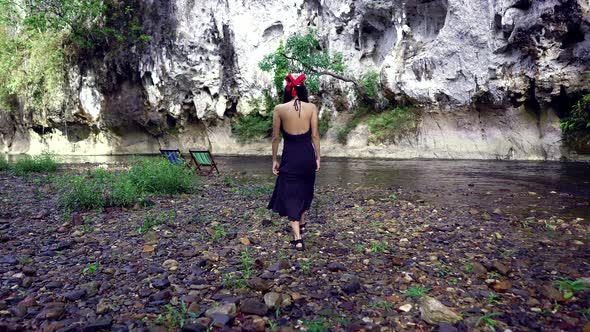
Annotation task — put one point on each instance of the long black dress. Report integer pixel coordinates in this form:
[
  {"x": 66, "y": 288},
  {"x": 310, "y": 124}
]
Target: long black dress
[{"x": 293, "y": 191}]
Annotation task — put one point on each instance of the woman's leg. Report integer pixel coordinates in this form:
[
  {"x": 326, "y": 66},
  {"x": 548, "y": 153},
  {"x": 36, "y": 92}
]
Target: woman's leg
[{"x": 296, "y": 232}]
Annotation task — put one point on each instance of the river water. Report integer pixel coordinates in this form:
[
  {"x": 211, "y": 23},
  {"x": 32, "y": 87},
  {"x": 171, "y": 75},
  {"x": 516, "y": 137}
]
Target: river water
[{"x": 540, "y": 189}]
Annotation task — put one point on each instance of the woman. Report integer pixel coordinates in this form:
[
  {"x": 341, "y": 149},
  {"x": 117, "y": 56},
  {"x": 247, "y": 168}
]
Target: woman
[{"x": 297, "y": 120}]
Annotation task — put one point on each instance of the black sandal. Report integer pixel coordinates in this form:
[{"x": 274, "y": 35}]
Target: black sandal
[{"x": 296, "y": 242}]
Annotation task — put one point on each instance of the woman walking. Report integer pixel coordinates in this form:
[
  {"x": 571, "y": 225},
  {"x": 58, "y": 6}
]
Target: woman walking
[{"x": 297, "y": 120}]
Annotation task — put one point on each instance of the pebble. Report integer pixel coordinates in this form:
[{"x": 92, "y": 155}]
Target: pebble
[
  {"x": 252, "y": 306},
  {"x": 170, "y": 265}
]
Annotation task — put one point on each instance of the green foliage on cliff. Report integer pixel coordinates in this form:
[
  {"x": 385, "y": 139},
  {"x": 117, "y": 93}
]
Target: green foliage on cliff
[
  {"x": 384, "y": 126},
  {"x": 371, "y": 84},
  {"x": 302, "y": 54},
  {"x": 31, "y": 69},
  {"x": 37, "y": 36},
  {"x": 390, "y": 125},
  {"x": 579, "y": 118},
  {"x": 252, "y": 127}
]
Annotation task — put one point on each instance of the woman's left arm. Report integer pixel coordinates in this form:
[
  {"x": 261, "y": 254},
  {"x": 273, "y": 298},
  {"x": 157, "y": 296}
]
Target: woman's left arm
[{"x": 276, "y": 138}]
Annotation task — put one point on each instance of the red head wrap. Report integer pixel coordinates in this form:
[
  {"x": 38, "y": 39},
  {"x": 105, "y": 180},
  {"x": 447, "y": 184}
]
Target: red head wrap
[{"x": 293, "y": 82}]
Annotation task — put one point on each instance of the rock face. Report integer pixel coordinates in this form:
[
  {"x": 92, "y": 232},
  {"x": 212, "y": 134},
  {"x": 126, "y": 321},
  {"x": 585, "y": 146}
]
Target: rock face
[{"x": 490, "y": 76}]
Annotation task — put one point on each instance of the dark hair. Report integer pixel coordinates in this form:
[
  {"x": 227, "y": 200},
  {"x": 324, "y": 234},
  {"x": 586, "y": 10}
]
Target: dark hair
[{"x": 301, "y": 93}]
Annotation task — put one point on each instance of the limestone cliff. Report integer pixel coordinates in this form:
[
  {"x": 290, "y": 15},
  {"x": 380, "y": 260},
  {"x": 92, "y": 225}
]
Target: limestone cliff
[{"x": 491, "y": 77}]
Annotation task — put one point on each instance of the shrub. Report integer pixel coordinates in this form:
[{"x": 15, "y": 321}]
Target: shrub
[
  {"x": 4, "y": 165},
  {"x": 370, "y": 83},
  {"x": 158, "y": 176},
  {"x": 252, "y": 127},
  {"x": 43, "y": 163},
  {"x": 389, "y": 125},
  {"x": 81, "y": 192},
  {"x": 579, "y": 118},
  {"x": 124, "y": 192}
]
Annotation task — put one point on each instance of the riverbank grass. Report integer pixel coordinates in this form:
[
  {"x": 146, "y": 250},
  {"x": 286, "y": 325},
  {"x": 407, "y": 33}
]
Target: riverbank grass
[
  {"x": 100, "y": 188},
  {"x": 43, "y": 163},
  {"x": 4, "y": 165}
]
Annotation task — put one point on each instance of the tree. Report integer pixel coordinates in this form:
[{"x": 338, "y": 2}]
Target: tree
[{"x": 304, "y": 53}]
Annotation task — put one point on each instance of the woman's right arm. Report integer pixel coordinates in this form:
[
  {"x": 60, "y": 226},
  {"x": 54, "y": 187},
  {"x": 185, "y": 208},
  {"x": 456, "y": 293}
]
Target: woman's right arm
[{"x": 315, "y": 136}]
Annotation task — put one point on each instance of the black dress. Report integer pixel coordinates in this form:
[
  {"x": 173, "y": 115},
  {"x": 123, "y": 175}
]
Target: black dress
[{"x": 293, "y": 191}]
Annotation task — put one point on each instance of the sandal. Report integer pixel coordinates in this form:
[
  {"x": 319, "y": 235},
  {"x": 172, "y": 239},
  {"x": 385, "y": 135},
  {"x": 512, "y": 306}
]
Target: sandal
[{"x": 296, "y": 242}]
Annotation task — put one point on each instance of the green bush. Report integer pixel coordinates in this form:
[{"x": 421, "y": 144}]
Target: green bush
[
  {"x": 100, "y": 188},
  {"x": 4, "y": 165},
  {"x": 43, "y": 163},
  {"x": 370, "y": 83},
  {"x": 324, "y": 125},
  {"x": 159, "y": 176},
  {"x": 77, "y": 192},
  {"x": 579, "y": 118},
  {"x": 389, "y": 125},
  {"x": 252, "y": 127}
]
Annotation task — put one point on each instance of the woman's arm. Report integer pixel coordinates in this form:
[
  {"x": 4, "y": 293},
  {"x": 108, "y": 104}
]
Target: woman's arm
[
  {"x": 315, "y": 135},
  {"x": 276, "y": 138}
]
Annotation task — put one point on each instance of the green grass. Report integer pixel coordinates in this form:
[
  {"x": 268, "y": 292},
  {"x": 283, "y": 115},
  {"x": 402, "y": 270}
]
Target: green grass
[
  {"x": 378, "y": 246},
  {"x": 176, "y": 317},
  {"x": 570, "y": 287},
  {"x": 99, "y": 188},
  {"x": 417, "y": 291},
  {"x": 152, "y": 220},
  {"x": 43, "y": 163},
  {"x": 159, "y": 176},
  {"x": 218, "y": 233},
  {"x": 4, "y": 165},
  {"x": 392, "y": 124},
  {"x": 316, "y": 325},
  {"x": 493, "y": 298},
  {"x": 488, "y": 320},
  {"x": 90, "y": 269}
]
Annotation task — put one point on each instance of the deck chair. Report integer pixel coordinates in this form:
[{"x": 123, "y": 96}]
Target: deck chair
[
  {"x": 173, "y": 156},
  {"x": 203, "y": 158}
]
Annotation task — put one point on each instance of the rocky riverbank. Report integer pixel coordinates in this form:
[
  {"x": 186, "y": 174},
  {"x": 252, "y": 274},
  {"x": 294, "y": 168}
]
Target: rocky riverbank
[{"x": 378, "y": 260}]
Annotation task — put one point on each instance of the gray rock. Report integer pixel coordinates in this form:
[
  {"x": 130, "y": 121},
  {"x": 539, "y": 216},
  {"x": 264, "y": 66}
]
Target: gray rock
[
  {"x": 75, "y": 295},
  {"x": 433, "y": 312},
  {"x": 251, "y": 306}
]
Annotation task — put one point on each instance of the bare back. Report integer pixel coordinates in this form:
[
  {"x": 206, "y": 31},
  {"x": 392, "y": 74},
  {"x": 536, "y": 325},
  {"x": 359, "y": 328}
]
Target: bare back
[{"x": 292, "y": 121}]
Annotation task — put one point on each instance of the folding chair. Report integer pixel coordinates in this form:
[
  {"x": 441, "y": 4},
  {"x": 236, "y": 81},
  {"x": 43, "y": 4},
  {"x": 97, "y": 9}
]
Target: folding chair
[
  {"x": 173, "y": 156},
  {"x": 203, "y": 158}
]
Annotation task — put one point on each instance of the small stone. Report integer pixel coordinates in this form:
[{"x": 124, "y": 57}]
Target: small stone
[
  {"x": 54, "y": 285},
  {"x": 351, "y": 286},
  {"x": 473, "y": 211},
  {"x": 220, "y": 320},
  {"x": 170, "y": 265},
  {"x": 210, "y": 256},
  {"x": 148, "y": 248},
  {"x": 251, "y": 306},
  {"x": 99, "y": 325},
  {"x": 277, "y": 301},
  {"x": 161, "y": 283},
  {"x": 433, "y": 312},
  {"x": 501, "y": 268},
  {"x": 52, "y": 310},
  {"x": 478, "y": 269},
  {"x": 159, "y": 296},
  {"x": 102, "y": 307},
  {"x": 551, "y": 293},
  {"x": 445, "y": 327},
  {"x": 75, "y": 295},
  {"x": 502, "y": 286},
  {"x": 497, "y": 211},
  {"x": 253, "y": 324},
  {"x": 336, "y": 266},
  {"x": 18, "y": 311},
  {"x": 405, "y": 308},
  {"x": 228, "y": 309},
  {"x": 27, "y": 282},
  {"x": 29, "y": 270},
  {"x": 245, "y": 241},
  {"x": 259, "y": 284},
  {"x": 78, "y": 233}
]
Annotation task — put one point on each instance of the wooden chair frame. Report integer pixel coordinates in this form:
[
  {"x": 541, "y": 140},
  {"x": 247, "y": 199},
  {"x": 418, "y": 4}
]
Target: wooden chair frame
[{"x": 212, "y": 166}]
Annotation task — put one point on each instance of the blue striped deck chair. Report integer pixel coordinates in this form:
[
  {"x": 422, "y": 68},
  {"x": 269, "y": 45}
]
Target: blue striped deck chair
[
  {"x": 173, "y": 156},
  {"x": 203, "y": 158}
]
